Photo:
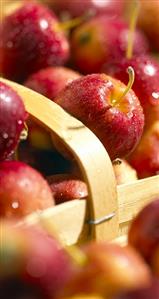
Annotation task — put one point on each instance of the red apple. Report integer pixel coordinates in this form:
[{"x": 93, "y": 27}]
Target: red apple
[
  {"x": 146, "y": 84},
  {"x": 99, "y": 40},
  {"x": 67, "y": 187},
  {"x": 50, "y": 81},
  {"x": 145, "y": 158},
  {"x": 150, "y": 292},
  {"x": 85, "y": 296},
  {"x": 12, "y": 118},
  {"x": 23, "y": 190},
  {"x": 124, "y": 172},
  {"x": 109, "y": 269},
  {"x": 144, "y": 230},
  {"x": 76, "y": 8},
  {"x": 31, "y": 40},
  {"x": 97, "y": 101},
  {"x": 148, "y": 21},
  {"x": 32, "y": 263},
  {"x": 155, "y": 262}
]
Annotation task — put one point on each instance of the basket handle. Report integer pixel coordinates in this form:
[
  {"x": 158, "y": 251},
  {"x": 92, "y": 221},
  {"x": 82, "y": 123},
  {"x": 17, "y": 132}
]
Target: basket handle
[{"x": 90, "y": 155}]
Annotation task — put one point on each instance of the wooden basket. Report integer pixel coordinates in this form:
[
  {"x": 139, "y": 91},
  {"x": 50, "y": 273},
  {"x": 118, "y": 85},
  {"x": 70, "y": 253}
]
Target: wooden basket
[{"x": 107, "y": 212}]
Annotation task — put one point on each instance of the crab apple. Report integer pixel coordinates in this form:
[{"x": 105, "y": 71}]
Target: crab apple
[
  {"x": 12, "y": 118},
  {"x": 149, "y": 292},
  {"x": 146, "y": 83},
  {"x": 32, "y": 262},
  {"x": 105, "y": 106},
  {"x": 148, "y": 21},
  {"x": 155, "y": 262},
  {"x": 145, "y": 158},
  {"x": 109, "y": 270},
  {"x": 99, "y": 40},
  {"x": 77, "y": 8},
  {"x": 23, "y": 190},
  {"x": 67, "y": 187},
  {"x": 144, "y": 230},
  {"x": 50, "y": 81},
  {"x": 31, "y": 39}
]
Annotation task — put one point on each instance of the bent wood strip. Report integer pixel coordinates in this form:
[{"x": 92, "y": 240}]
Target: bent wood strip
[
  {"x": 88, "y": 151},
  {"x": 132, "y": 197},
  {"x": 69, "y": 218}
]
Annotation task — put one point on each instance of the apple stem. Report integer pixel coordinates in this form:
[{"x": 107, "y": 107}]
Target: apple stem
[
  {"x": 70, "y": 24},
  {"x": 132, "y": 27},
  {"x": 78, "y": 256},
  {"x": 16, "y": 156},
  {"x": 131, "y": 73},
  {"x": 24, "y": 133},
  {"x": 117, "y": 161}
]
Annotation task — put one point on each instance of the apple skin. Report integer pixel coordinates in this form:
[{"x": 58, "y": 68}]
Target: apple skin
[
  {"x": 33, "y": 258},
  {"x": 76, "y": 8},
  {"x": 143, "y": 233},
  {"x": 124, "y": 172},
  {"x": 50, "y": 81},
  {"x": 145, "y": 158},
  {"x": 66, "y": 187},
  {"x": 146, "y": 84},
  {"x": 93, "y": 100},
  {"x": 12, "y": 118},
  {"x": 26, "y": 49},
  {"x": 83, "y": 296},
  {"x": 148, "y": 21},
  {"x": 23, "y": 190},
  {"x": 109, "y": 269},
  {"x": 155, "y": 262},
  {"x": 150, "y": 292},
  {"x": 101, "y": 39}
]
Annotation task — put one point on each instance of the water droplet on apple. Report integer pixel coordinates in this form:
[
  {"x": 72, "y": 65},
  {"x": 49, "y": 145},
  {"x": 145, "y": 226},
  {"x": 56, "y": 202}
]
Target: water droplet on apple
[
  {"x": 15, "y": 205},
  {"x": 19, "y": 122},
  {"x": 155, "y": 95},
  {"x": 130, "y": 114},
  {"x": 9, "y": 44},
  {"x": 5, "y": 135},
  {"x": 43, "y": 24}
]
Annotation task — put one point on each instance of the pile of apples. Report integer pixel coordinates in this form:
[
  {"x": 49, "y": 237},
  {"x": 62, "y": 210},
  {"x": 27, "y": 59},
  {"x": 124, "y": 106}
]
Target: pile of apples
[
  {"x": 35, "y": 265},
  {"x": 100, "y": 63}
]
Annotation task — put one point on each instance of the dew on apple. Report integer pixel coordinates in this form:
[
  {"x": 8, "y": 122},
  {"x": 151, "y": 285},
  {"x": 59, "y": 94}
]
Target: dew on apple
[
  {"x": 149, "y": 70},
  {"x": 155, "y": 95},
  {"x": 5, "y": 135},
  {"x": 43, "y": 24},
  {"x": 15, "y": 205},
  {"x": 9, "y": 44},
  {"x": 21, "y": 54},
  {"x": 130, "y": 114},
  {"x": 26, "y": 192},
  {"x": 19, "y": 122},
  {"x": 101, "y": 3}
]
